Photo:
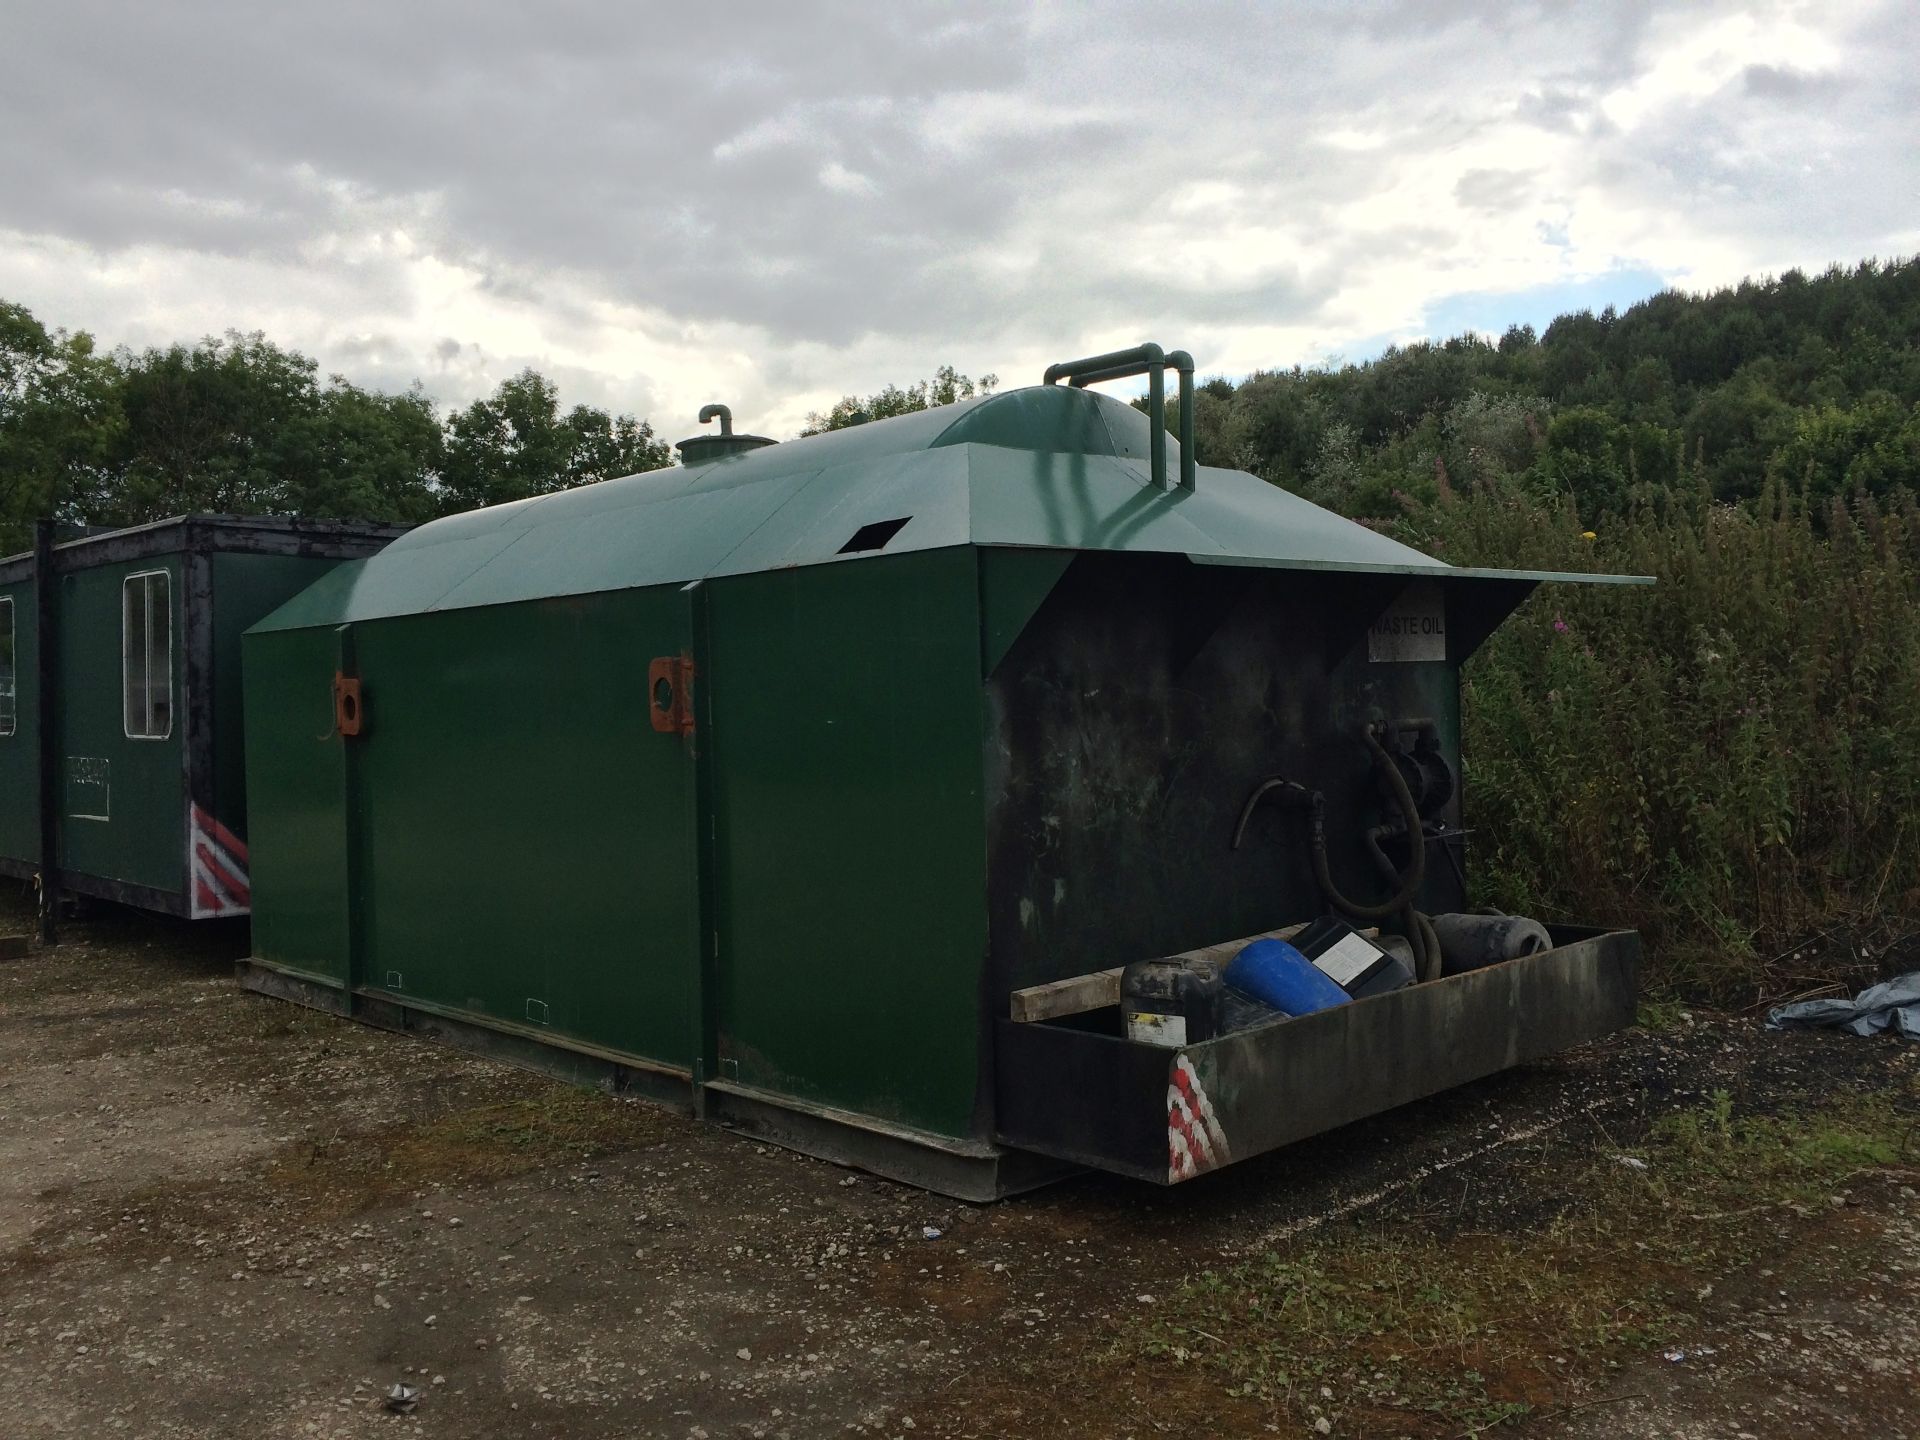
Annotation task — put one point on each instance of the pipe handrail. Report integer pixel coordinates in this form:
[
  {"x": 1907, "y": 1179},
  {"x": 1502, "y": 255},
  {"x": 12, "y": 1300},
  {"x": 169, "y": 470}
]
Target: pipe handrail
[
  {"x": 1140, "y": 356},
  {"x": 1148, "y": 359},
  {"x": 1182, "y": 363}
]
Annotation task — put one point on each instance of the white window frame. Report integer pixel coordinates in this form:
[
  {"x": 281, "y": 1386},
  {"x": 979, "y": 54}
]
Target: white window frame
[
  {"x": 11, "y": 720},
  {"x": 146, "y": 650}
]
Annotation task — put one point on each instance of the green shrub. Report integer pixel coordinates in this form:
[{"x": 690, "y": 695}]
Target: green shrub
[{"x": 1729, "y": 759}]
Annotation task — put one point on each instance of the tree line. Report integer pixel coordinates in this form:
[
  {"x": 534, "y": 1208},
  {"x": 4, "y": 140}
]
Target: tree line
[
  {"x": 240, "y": 425},
  {"x": 1812, "y": 381}
]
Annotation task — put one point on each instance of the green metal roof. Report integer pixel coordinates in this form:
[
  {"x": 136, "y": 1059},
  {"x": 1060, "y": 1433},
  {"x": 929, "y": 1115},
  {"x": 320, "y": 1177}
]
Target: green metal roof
[{"x": 1048, "y": 466}]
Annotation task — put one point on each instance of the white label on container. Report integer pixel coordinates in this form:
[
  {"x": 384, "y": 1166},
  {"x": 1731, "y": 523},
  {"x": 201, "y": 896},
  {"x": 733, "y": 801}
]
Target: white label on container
[
  {"x": 1151, "y": 1029},
  {"x": 1347, "y": 961},
  {"x": 1414, "y": 627},
  {"x": 89, "y": 788}
]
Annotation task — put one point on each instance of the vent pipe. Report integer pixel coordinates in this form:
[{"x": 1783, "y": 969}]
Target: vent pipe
[{"x": 704, "y": 449}]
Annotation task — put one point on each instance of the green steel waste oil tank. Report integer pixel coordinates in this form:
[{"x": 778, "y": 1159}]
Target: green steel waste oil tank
[{"x": 825, "y": 786}]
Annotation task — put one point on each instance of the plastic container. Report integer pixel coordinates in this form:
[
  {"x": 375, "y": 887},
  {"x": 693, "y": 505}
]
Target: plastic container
[
  {"x": 1276, "y": 974},
  {"x": 1170, "y": 1002},
  {"x": 1358, "y": 965},
  {"x": 1242, "y": 1012}
]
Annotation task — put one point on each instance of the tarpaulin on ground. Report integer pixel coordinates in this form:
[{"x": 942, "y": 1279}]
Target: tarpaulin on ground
[{"x": 1893, "y": 1004}]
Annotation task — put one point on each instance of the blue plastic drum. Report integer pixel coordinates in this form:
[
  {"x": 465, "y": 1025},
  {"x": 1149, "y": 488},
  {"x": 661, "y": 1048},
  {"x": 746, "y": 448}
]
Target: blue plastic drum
[{"x": 1276, "y": 974}]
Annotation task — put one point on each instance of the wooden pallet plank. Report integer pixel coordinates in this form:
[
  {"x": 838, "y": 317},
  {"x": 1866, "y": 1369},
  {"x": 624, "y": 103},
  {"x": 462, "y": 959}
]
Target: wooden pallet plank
[{"x": 1079, "y": 993}]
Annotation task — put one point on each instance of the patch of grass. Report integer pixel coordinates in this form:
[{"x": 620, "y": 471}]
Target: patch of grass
[
  {"x": 1659, "y": 1014},
  {"x": 554, "y": 1124},
  {"x": 1396, "y": 1328},
  {"x": 565, "y": 1122},
  {"x": 1707, "y": 1156}
]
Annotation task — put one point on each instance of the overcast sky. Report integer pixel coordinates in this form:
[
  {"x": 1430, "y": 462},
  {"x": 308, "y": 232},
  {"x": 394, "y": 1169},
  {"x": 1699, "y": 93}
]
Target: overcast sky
[{"x": 659, "y": 207}]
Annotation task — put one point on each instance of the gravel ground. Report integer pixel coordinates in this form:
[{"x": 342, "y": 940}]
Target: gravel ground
[{"x": 224, "y": 1216}]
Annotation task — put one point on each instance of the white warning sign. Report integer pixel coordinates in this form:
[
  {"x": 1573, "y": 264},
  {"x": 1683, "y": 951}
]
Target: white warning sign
[{"x": 1414, "y": 627}]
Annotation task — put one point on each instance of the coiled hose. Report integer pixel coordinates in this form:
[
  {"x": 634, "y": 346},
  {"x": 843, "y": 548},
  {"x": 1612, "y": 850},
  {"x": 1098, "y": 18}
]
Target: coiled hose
[{"x": 1414, "y": 925}]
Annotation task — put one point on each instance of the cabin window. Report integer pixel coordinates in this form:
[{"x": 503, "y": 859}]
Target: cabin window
[
  {"x": 8, "y": 712},
  {"x": 146, "y": 654}
]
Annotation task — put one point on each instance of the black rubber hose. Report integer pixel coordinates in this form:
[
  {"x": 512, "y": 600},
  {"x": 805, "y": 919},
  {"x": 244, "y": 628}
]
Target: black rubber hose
[
  {"x": 1291, "y": 790},
  {"x": 1432, "y": 965},
  {"x": 1418, "y": 930},
  {"x": 1416, "y": 869}
]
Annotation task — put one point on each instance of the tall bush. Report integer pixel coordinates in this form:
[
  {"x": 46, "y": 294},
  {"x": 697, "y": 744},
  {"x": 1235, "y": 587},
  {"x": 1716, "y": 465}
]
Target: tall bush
[{"x": 1728, "y": 759}]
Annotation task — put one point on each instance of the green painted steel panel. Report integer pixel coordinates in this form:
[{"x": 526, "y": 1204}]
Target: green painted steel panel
[
  {"x": 245, "y": 587},
  {"x": 1013, "y": 584},
  {"x": 123, "y": 810},
  {"x": 19, "y": 769},
  {"x": 525, "y": 836},
  {"x": 1053, "y": 418},
  {"x": 296, "y": 778},
  {"x": 927, "y": 489},
  {"x": 1045, "y": 466},
  {"x": 849, "y": 834}
]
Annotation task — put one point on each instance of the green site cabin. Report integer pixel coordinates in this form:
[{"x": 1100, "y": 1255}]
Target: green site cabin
[
  {"x": 760, "y": 783},
  {"x": 144, "y": 758}
]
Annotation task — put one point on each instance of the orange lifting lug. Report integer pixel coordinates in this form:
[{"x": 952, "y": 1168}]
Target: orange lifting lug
[
  {"x": 349, "y": 708},
  {"x": 670, "y": 694}
]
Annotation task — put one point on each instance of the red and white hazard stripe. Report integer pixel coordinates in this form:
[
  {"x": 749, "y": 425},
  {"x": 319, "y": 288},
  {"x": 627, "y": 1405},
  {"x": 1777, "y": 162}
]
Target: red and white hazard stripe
[
  {"x": 216, "y": 868},
  {"x": 1195, "y": 1141}
]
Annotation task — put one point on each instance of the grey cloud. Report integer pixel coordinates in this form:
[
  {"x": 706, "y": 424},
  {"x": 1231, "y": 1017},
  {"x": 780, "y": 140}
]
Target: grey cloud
[
  {"x": 1493, "y": 190},
  {"x": 1558, "y": 110},
  {"x": 1775, "y": 82},
  {"x": 584, "y": 138},
  {"x": 1802, "y": 169},
  {"x": 655, "y": 157}
]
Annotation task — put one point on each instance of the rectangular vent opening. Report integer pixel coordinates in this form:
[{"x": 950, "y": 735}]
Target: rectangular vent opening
[{"x": 874, "y": 536}]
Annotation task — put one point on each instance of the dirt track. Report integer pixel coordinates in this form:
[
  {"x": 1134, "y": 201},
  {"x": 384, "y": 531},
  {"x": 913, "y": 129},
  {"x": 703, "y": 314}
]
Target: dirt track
[{"x": 222, "y": 1216}]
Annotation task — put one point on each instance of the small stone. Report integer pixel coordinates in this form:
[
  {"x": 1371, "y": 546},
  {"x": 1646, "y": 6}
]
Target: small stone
[{"x": 439, "y": 1379}]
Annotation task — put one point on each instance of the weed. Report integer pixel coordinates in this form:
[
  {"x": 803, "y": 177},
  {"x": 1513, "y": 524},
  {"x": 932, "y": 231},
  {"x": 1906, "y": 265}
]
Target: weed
[
  {"x": 1472, "y": 1328},
  {"x": 553, "y": 1124},
  {"x": 1727, "y": 759},
  {"x": 1660, "y": 1014}
]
